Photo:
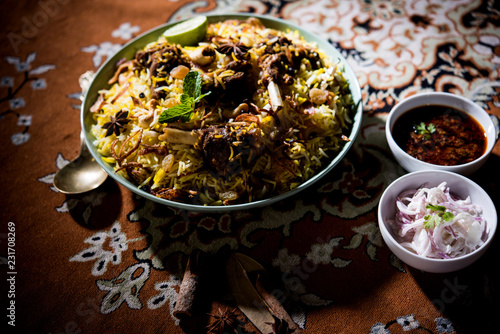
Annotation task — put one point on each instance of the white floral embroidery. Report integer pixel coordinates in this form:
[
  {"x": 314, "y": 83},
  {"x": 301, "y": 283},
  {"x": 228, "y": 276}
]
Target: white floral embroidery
[
  {"x": 379, "y": 328},
  {"x": 39, "y": 84},
  {"x": 90, "y": 200},
  {"x": 24, "y": 120},
  {"x": 76, "y": 96},
  {"x": 17, "y": 103},
  {"x": 125, "y": 31},
  {"x": 21, "y": 66},
  {"x": 285, "y": 261},
  {"x": 42, "y": 69},
  {"x": 118, "y": 243},
  {"x": 20, "y": 138},
  {"x": 322, "y": 253},
  {"x": 444, "y": 325},
  {"x": 371, "y": 231},
  {"x": 124, "y": 288},
  {"x": 408, "y": 322},
  {"x": 7, "y": 82},
  {"x": 486, "y": 47},
  {"x": 49, "y": 178},
  {"x": 102, "y": 51},
  {"x": 168, "y": 293}
]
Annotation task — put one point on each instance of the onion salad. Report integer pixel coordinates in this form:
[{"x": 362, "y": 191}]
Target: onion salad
[{"x": 434, "y": 223}]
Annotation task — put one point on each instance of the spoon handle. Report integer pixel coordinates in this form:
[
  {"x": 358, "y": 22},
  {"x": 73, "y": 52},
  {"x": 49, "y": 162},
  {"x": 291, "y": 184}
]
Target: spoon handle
[
  {"x": 84, "y": 81},
  {"x": 84, "y": 150}
]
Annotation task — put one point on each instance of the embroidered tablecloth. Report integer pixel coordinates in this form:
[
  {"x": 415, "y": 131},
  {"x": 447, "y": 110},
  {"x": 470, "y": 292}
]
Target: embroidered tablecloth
[{"x": 109, "y": 261}]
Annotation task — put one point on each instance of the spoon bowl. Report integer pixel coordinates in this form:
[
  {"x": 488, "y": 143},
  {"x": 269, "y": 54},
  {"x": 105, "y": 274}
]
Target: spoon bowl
[{"x": 80, "y": 175}]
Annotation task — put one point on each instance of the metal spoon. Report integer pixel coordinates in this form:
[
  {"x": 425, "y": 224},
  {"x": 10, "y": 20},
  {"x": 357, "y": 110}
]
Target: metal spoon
[
  {"x": 80, "y": 175},
  {"x": 84, "y": 173}
]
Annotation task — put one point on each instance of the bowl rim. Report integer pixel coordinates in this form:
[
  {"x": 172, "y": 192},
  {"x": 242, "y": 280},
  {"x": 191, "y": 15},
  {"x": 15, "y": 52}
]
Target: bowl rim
[
  {"x": 383, "y": 225},
  {"x": 391, "y": 120},
  {"x": 271, "y": 22}
]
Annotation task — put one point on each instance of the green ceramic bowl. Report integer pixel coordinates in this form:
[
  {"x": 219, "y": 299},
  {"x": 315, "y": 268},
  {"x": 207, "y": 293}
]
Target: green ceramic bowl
[{"x": 129, "y": 50}]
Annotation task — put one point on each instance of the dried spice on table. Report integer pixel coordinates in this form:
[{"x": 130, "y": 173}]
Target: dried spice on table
[
  {"x": 189, "y": 288},
  {"x": 283, "y": 323},
  {"x": 258, "y": 305},
  {"x": 226, "y": 321}
]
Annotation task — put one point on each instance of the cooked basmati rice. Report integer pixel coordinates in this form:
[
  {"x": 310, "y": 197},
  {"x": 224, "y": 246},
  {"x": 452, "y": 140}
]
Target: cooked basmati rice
[{"x": 298, "y": 115}]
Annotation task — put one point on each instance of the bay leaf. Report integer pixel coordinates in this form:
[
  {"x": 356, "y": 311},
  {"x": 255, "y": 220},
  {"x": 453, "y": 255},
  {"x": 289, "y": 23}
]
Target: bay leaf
[{"x": 247, "y": 298}]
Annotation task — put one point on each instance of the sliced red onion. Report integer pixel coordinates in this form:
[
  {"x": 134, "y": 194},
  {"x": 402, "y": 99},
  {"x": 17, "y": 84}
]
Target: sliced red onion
[{"x": 463, "y": 234}]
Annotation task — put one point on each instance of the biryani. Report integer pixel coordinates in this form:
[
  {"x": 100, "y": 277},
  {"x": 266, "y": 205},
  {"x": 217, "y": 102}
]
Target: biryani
[{"x": 246, "y": 114}]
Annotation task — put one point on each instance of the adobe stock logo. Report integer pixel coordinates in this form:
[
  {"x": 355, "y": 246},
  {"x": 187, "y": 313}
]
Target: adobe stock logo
[{"x": 31, "y": 24}]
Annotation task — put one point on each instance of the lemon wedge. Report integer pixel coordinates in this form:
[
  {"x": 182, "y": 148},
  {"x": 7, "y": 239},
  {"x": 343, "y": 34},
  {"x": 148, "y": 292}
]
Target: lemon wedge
[{"x": 188, "y": 32}]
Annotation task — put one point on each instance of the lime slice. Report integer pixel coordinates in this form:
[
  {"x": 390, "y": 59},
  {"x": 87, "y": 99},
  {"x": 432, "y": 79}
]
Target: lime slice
[{"x": 188, "y": 32}]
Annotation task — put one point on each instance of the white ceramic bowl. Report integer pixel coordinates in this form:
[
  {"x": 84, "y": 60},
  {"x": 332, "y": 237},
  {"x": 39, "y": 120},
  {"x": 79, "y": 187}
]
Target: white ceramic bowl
[
  {"x": 411, "y": 164},
  {"x": 460, "y": 186}
]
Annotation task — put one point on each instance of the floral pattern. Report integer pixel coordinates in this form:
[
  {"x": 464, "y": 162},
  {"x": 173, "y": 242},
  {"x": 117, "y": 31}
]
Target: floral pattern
[
  {"x": 124, "y": 289},
  {"x": 16, "y": 102},
  {"x": 126, "y": 31},
  {"x": 431, "y": 49},
  {"x": 106, "y": 49},
  {"x": 117, "y": 242},
  {"x": 419, "y": 44},
  {"x": 167, "y": 293},
  {"x": 101, "y": 51},
  {"x": 408, "y": 323}
]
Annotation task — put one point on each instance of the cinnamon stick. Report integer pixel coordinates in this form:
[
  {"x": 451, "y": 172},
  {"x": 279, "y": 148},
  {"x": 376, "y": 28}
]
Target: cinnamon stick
[{"x": 188, "y": 289}]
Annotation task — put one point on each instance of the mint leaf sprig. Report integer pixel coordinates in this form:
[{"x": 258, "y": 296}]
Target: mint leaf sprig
[
  {"x": 425, "y": 130},
  {"x": 438, "y": 217},
  {"x": 191, "y": 94}
]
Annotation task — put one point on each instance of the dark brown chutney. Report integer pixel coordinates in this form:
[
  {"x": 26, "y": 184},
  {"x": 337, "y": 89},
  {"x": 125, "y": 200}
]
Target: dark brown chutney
[{"x": 440, "y": 135}]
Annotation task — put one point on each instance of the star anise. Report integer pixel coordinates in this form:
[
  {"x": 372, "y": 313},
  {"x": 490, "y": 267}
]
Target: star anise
[
  {"x": 117, "y": 123},
  {"x": 280, "y": 326},
  {"x": 225, "y": 322},
  {"x": 239, "y": 49}
]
